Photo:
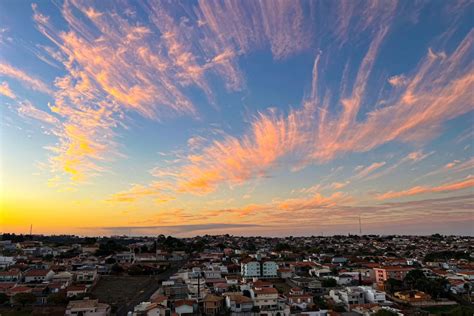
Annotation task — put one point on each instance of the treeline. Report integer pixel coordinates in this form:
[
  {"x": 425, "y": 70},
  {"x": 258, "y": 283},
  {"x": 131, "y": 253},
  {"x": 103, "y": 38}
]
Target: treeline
[{"x": 447, "y": 254}]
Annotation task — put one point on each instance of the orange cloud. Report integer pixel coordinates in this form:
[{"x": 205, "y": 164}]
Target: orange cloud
[
  {"x": 137, "y": 192},
  {"x": 6, "y": 91},
  {"x": 464, "y": 184},
  {"x": 440, "y": 89}
]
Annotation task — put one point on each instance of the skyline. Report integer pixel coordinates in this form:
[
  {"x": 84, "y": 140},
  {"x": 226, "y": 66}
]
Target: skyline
[{"x": 248, "y": 118}]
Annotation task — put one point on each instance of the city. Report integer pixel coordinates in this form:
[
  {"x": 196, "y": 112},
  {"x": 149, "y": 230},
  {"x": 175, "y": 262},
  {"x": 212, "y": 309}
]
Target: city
[{"x": 231, "y": 275}]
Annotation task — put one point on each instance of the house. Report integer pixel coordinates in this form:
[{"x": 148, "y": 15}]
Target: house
[
  {"x": 284, "y": 273},
  {"x": 38, "y": 275},
  {"x": 348, "y": 296},
  {"x": 86, "y": 275},
  {"x": 75, "y": 290},
  {"x": 466, "y": 275},
  {"x": 412, "y": 296},
  {"x": 63, "y": 277},
  {"x": 358, "y": 295},
  {"x": 184, "y": 307},
  {"x": 13, "y": 275},
  {"x": 6, "y": 262},
  {"x": 125, "y": 257},
  {"x": 298, "y": 298},
  {"x": 87, "y": 307},
  {"x": 344, "y": 279},
  {"x": 339, "y": 260},
  {"x": 266, "y": 299},
  {"x": 213, "y": 304},
  {"x": 148, "y": 309},
  {"x": 238, "y": 304}
]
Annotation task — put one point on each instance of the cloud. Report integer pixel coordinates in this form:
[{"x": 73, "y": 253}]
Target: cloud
[
  {"x": 365, "y": 171},
  {"x": 413, "y": 157},
  {"x": 24, "y": 78},
  {"x": 6, "y": 91},
  {"x": 27, "y": 109},
  {"x": 339, "y": 185},
  {"x": 447, "y": 187},
  {"x": 437, "y": 90},
  {"x": 137, "y": 192},
  {"x": 398, "y": 81}
]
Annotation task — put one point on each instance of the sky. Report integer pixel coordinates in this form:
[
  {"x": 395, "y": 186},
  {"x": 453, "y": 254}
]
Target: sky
[{"x": 270, "y": 118}]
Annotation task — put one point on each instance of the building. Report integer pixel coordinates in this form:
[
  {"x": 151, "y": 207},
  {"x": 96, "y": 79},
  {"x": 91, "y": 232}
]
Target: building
[
  {"x": 13, "y": 275},
  {"x": 297, "y": 297},
  {"x": 38, "y": 275},
  {"x": 6, "y": 262},
  {"x": 357, "y": 295},
  {"x": 348, "y": 296},
  {"x": 87, "y": 308},
  {"x": 412, "y": 296},
  {"x": 266, "y": 299},
  {"x": 147, "y": 309},
  {"x": 213, "y": 304},
  {"x": 382, "y": 274},
  {"x": 184, "y": 307},
  {"x": 125, "y": 257},
  {"x": 239, "y": 305},
  {"x": 252, "y": 268}
]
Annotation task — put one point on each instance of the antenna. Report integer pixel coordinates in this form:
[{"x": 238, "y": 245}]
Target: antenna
[
  {"x": 31, "y": 230},
  {"x": 360, "y": 226}
]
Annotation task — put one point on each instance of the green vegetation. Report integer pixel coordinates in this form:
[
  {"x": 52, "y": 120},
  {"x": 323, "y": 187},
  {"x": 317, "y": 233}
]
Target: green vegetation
[
  {"x": 109, "y": 248},
  {"x": 330, "y": 282},
  {"x": 453, "y": 310},
  {"x": 416, "y": 280},
  {"x": 24, "y": 299},
  {"x": 447, "y": 254}
]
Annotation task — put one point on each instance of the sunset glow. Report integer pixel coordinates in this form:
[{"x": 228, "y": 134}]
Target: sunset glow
[{"x": 243, "y": 117}]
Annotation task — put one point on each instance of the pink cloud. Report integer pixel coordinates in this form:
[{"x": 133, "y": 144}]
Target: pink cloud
[{"x": 460, "y": 185}]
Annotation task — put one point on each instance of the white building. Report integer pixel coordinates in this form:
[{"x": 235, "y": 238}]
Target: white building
[
  {"x": 259, "y": 269},
  {"x": 239, "y": 304},
  {"x": 6, "y": 262},
  {"x": 87, "y": 308},
  {"x": 146, "y": 308},
  {"x": 358, "y": 295},
  {"x": 125, "y": 257}
]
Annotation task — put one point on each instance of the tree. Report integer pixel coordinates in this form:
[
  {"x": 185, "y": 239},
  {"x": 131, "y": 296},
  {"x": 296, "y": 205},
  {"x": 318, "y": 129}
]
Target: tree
[
  {"x": 330, "y": 282},
  {"x": 393, "y": 285},
  {"x": 413, "y": 277},
  {"x": 57, "y": 299},
  {"x": 4, "y": 298},
  {"x": 24, "y": 299}
]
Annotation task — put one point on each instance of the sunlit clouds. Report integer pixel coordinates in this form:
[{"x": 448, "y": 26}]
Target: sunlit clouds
[{"x": 256, "y": 113}]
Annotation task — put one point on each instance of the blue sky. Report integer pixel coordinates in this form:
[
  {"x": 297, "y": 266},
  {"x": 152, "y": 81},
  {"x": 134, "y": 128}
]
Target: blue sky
[{"x": 280, "y": 118}]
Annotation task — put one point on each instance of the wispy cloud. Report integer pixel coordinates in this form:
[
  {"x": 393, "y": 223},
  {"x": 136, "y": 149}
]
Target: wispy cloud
[
  {"x": 27, "y": 109},
  {"x": 453, "y": 186},
  {"x": 436, "y": 91},
  {"x": 27, "y": 80}
]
